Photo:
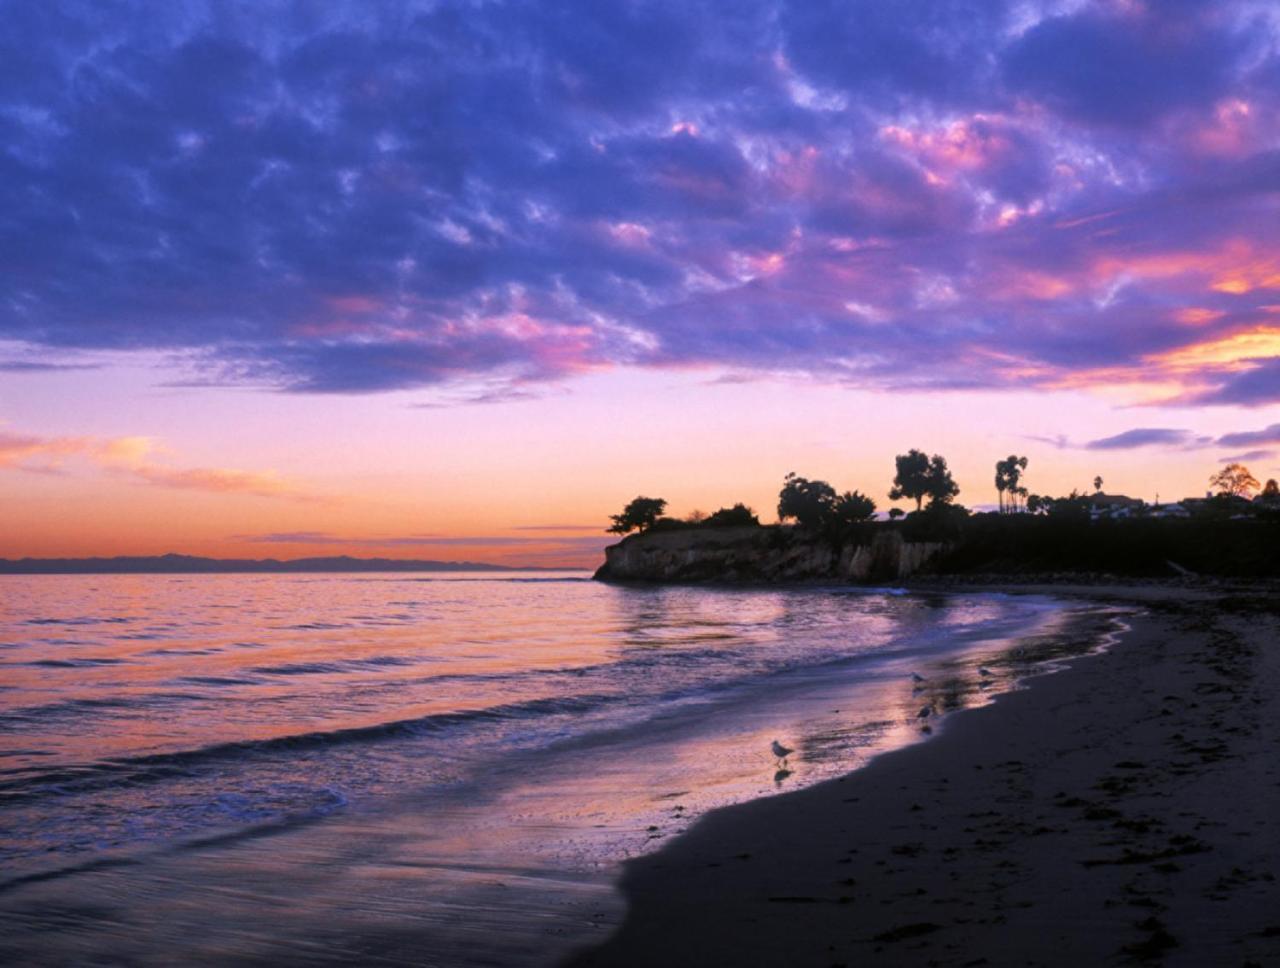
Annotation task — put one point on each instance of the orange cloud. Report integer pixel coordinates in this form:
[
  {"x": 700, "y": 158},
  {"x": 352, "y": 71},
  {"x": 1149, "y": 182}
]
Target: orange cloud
[
  {"x": 1231, "y": 351},
  {"x": 16, "y": 449},
  {"x": 219, "y": 480},
  {"x": 1261, "y": 274},
  {"x": 132, "y": 456}
]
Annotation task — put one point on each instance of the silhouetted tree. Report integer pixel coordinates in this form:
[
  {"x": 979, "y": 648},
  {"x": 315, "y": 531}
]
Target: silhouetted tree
[
  {"x": 640, "y": 514},
  {"x": 1097, "y": 483},
  {"x": 696, "y": 517},
  {"x": 1271, "y": 492},
  {"x": 1234, "y": 479},
  {"x": 809, "y": 502},
  {"x": 1074, "y": 506},
  {"x": 939, "y": 484},
  {"x": 853, "y": 507},
  {"x": 736, "y": 516},
  {"x": 895, "y": 513},
  {"x": 1008, "y": 476},
  {"x": 912, "y": 478}
]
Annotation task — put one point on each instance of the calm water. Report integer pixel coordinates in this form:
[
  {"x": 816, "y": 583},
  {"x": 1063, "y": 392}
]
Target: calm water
[{"x": 427, "y": 769}]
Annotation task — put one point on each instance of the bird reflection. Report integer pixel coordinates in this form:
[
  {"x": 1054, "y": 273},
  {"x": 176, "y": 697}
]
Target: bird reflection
[{"x": 781, "y": 775}]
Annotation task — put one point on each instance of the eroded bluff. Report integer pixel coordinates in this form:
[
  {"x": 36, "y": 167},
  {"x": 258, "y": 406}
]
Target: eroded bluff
[{"x": 762, "y": 554}]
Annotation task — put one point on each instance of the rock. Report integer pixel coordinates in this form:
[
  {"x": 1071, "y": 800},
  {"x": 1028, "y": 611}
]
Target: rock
[{"x": 762, "y": 554}]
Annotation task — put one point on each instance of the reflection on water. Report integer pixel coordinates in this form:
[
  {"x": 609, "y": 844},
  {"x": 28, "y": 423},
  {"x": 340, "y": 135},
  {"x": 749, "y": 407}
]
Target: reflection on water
[{"x": 446, "y": 769}]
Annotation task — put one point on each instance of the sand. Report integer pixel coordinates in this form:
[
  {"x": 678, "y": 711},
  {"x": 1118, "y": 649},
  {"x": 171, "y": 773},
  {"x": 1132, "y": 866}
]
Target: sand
[{"x": 1126, "y": 810}]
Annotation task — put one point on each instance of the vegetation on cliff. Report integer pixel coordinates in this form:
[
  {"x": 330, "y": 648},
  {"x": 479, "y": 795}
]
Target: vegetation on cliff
[{"x": 1227, "y": 534}]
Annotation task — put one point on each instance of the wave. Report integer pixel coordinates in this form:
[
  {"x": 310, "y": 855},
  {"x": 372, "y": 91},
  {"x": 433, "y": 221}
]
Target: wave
[
  {"x": 161, "y": 766},
  {"x": 73, "y": 663},
  {"x": 80, "y": 620},
  {"x": 330, "y": 668}
]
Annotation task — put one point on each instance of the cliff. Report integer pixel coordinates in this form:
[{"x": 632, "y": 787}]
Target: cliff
[{"x": 762, "y": 554}]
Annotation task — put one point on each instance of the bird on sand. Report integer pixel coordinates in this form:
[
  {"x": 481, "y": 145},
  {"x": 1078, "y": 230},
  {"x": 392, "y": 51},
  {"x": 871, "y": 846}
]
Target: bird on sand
[
  {"x": 780, "y": 751},
  {"x": 984, "y": 671},
  {"x": 925, "y": 713},
  {"x": 916, "y": 677}
]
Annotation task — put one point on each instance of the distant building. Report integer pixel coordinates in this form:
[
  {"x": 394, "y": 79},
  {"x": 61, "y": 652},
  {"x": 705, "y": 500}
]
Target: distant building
[
  {"x": 1113, "y": 506},
  {"x": 1168, "y": 511}
]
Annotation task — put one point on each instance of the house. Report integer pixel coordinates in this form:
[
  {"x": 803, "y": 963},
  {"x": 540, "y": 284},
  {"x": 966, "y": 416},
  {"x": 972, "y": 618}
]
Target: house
[
  {"x": 1169, "y": 511},
  {"x": 1113, "y": 506}
]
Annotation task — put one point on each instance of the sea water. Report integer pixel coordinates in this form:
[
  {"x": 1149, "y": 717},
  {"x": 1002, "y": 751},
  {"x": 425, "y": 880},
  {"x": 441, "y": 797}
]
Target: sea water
[{"x": 434, "y": 768}]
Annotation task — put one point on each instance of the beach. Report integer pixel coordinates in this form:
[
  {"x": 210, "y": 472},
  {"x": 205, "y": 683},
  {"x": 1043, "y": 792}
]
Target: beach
[{"x": 1121, "y": 810}]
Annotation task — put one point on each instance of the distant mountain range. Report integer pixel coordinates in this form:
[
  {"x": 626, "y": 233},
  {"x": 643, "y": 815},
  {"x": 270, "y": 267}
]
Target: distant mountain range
[{"x": 190, "y": 564}]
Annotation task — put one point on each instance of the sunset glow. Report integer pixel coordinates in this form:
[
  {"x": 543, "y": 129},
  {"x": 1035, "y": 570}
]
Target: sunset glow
[{"x": 456, "y": 282}]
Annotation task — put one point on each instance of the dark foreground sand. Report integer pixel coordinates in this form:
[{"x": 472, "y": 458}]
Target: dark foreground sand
[{"x": 1124, "y": 811}]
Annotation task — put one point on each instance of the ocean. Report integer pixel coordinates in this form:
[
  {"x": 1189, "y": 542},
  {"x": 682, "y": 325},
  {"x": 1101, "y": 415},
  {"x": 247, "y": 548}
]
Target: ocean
[{"x": 432, "y": 769}]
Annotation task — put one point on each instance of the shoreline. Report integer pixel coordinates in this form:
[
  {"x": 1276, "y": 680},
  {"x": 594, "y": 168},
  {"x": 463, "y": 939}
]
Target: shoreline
[{"x": 1083, "y": 819}]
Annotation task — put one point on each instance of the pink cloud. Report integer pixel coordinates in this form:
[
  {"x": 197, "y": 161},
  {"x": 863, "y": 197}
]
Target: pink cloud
[{"x": 133, "y": 457}]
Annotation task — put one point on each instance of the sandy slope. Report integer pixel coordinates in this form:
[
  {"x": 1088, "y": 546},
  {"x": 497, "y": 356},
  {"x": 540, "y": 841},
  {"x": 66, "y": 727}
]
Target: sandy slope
[{"x": 1126, "y": 810}]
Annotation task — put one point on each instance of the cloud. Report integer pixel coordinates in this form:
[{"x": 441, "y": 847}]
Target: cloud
[
  {"x": 1127, "y": 65},
  {"x": 561, "y": 550},
  {"x": 1251, "y": 438},
  {"x": 131, "y": 457},
  {"x": 16, "y": 450},
  {"x": 31, "y": 366},
  {"x": 1149, "y": 437},
  {"x": 1251, "y": 455},
  {"x": 556, "y": 527},
  {"x": 1257, "y": 386},
  {"x": 423, "y": 540},
  {"x": 290, "y": 537},
  {"x": 477, "y": 201}
]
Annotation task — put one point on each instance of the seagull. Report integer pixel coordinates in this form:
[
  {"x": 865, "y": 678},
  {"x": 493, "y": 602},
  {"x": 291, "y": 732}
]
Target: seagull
[
  {"x": 984, "y": 671},
  {"x": 780, "y": 751},
  {"x": 925, "y": 713},
  {"x": 916, "y": 677}
]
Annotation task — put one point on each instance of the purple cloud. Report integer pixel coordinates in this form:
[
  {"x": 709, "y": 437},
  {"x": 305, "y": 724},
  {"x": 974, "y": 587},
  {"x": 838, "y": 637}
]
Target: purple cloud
[
  {"x": 1251, "y": 455},
  {"x": 1149, "y": 437},
  {"x": 592, "y": 542},
  {"x": 354, "y": 198},
  {"x": 1255, "y": 387},
  {"x": 1251, "y": 438},
  {"x": 1129, "y": 64}
]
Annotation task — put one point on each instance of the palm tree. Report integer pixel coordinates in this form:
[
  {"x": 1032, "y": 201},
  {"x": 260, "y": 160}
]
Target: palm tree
[{"x": 1008, "y": 478}]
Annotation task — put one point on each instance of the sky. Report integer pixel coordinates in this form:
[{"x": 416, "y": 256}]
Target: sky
[{"x": 457, "y": 280}]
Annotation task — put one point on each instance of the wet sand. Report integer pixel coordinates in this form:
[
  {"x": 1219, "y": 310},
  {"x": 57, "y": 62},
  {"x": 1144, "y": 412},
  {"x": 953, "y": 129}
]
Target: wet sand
[{"x": 1126, "y": 810}]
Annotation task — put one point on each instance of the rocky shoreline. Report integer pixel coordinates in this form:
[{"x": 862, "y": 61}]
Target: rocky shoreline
[{"x": 740, "y": 555}]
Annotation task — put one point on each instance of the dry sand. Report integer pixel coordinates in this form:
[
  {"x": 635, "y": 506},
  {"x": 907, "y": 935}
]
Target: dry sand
[{"x": 1126, "y": 810}]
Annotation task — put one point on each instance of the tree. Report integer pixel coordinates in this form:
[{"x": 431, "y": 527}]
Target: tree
[
  {"x": 1074, "y": 506},
  {"x": 912, "y": 478},
  {"x": 853, "y": 507},
  {"x": 1097, "y": 483},
  {"x": 736, "y": 516},
  {"x": 1008, "y": 476},
  {"x": 809, "y": 502},
  {"x": 639, "y": 515},
  {"x": 895, "y": 513},
  {"x": 1270, "y": 492},
  {"x": 939, "y": 484},
  {"x": 1234, "y": 479}
]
